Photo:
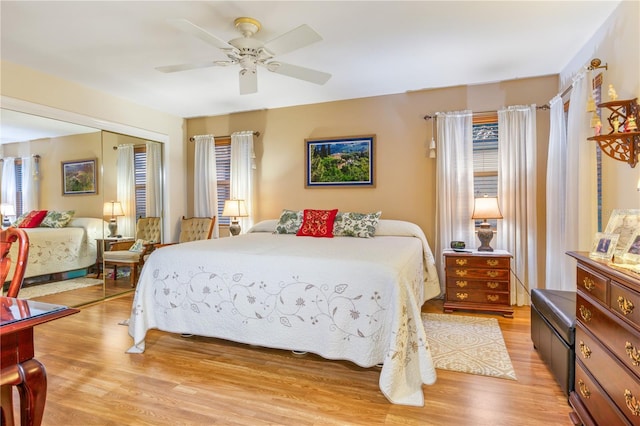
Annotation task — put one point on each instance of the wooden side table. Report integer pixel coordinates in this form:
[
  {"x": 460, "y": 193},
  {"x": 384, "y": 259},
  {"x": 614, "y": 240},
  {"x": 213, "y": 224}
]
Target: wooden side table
[
  {"x": 478, "y": 281},
  {"x": 102, "y": 245}
]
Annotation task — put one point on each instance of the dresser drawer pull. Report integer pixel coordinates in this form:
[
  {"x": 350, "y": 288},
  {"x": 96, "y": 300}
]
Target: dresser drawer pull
[
  {"x": 632, "y": 403},
  {"x": 462, "y": 296},
  {"x": 461, "y": 272},
  {"x": 633, "y": 353},
  {"x": 585, "y": 313},
  {"x": 493, "y": 274},
  {"x": 584, "y": 390},
  {"x": 461, "y": 262},
  {"x": 588, "y": 283},
  {"x": 461, "y": 284},
  {"x": 626, "y": 306},
  {"x": 493, "y": 284},
  {"x": 492, "y": 297},
  {"x": 585, "y": 350},
  {"x": 492, "y": 262}
]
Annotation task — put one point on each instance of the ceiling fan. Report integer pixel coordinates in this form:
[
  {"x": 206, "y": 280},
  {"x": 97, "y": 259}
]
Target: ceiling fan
[{"x": 250, "y": 52}]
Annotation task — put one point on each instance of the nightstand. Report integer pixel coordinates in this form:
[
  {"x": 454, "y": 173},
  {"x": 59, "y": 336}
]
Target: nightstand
[
  {"x": 478, "y": 281},
  {"x": 103, "y": 244}
]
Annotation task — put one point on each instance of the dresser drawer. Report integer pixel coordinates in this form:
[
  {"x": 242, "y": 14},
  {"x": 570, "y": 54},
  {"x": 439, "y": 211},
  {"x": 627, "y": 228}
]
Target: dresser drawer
[
  {"x": 592, "y": 396},
  {"x": 454, "y": 284},
  {"x": 478, "y": 296},
  {"x": 621, "y": 385},
  {"x": 592, "y": 283},
  {"x": 479, "y": 261},
  {"x": 625, "y": 302}
]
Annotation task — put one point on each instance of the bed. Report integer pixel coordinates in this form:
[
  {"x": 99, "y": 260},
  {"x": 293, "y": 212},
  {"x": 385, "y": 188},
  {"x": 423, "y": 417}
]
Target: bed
[
  {"x": 355, "y": 299},
  {"x": 57, "y": 250}
]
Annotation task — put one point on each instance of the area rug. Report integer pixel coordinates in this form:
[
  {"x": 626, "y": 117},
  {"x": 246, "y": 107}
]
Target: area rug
[
  {"x": 468, "y": 344},
  {"x": 57, "y": 287}
]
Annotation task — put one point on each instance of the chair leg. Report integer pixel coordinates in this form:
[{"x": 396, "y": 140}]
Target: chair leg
[
  {"x": 133, "y": 275},
  {"x": 7, "y": 405}
]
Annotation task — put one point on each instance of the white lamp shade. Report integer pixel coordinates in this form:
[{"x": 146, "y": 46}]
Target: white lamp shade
[
  {"x": 486, "y": 208},
  {"x": 7, "y": 209},
  {"x": 112, "y": 209},
  {"x": 234, "y": 208}
]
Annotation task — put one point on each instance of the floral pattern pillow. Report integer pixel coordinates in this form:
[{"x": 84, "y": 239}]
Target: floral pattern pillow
[
  {"x": 138, "y": 246},
  {"x": 289, "y": 222},
  {"x": 361, "y": 225},
  {"x": 55, "y": 219}
]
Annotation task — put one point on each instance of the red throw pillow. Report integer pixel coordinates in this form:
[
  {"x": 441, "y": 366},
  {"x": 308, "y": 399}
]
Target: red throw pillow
[
  {"x": 33, "y": 219},
  {"x": 317, "y": 223}
]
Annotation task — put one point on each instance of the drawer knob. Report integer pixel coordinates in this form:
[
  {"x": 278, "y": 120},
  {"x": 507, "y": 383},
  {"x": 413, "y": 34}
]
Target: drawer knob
[
  {"x": 461, "y": 272},
  {"x": 462, "y": 296},
  {"x": 492, "y": 297},
  {"x": 588, "y": 283},
  {"x": 632, "y": 403},
  {"x": 492, "y": 284},
  {"x": 461, "y": 262},
  {"x": 492, "y": 262},
  {"x": 585, "y": 350},
  {"x": 493, "y": 274},
  {"x": 461, "y": 284},
  {"x": 585, "y": 313},
  {"x": 584, "y": 390},
  {"x": 632, "y": 352},
  {"x": 626, "y": 306}
]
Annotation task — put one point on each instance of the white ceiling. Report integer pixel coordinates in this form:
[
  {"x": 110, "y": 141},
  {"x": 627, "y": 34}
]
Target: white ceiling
[{"x": 370, "y": 47}]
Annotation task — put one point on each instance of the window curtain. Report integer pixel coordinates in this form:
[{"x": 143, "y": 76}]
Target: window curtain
[
  {"x": 517, "y": 231},
  {"x": 454, "y": 183},
  {"x": 558, "y": 270},
  {"x": 243, "y": 166},
  {"x": 206, "y": 180},
  {"x": 30, "y": 184},
  {"x": 126, "y": 190},
  {"x": 9, "y": 181},
  {"x": 154, "y": 179}
]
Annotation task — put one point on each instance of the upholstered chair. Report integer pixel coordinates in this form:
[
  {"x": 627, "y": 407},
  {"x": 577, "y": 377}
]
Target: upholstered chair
[
  {"x": 194, "y": 229},
  {"x": 132, "y": 253}
]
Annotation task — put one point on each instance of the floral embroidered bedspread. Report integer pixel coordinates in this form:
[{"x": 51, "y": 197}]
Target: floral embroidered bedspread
[{"x": 346, "y": 298}]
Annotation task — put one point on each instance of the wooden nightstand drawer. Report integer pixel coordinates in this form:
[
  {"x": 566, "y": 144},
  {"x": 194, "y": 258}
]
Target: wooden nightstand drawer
[
  {"x": 489, "y": 285},
  {"x": 478, "y": 297},
  {"x": 479, "y": 261},
  {"x": 493, "y": 274}
]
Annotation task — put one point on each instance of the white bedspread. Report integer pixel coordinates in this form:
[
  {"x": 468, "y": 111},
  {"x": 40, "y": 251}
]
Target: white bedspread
[{"x": 342, "y": 298}]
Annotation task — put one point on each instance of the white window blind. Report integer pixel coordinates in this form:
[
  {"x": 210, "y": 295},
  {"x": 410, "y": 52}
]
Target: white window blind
[
  {"x": 140, "y": 170},
  {"x": 223, "y": 168}
]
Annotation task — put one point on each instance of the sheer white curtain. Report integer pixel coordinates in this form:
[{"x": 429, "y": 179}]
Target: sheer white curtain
[
  {"x": 454, "y": 182},
  {"x": 243, "y": 166},
  {"x": 154, "y": 179},
  {"x": 126, "y": 190},
  {"x": 517, "y": 231},
  {"x": 30, "y": 184},
  {"x": 9, "y": 181},
  {"x": 205, "y": 178},
  {"x": 557, "y": 265}
]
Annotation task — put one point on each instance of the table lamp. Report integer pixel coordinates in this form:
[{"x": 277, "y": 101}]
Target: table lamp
[
  {"x": 234, "y": 209},
  {"x": 7, "y": 210},
  {"x": 486, "y": 208},
  {"x": 113, "y": 209}
]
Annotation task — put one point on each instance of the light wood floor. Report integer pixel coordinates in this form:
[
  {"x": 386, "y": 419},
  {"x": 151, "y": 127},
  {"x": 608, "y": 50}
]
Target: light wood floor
[{"x": 202, "y": 381}]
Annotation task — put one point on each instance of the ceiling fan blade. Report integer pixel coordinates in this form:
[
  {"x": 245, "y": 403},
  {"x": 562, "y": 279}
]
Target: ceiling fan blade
[
  {"x": 302, "y": 73},
  {"x": 299, "y": 37},
  {"x": 190, "y": 28},
  {"x": 185, "y": 67},
  {"x": 248, "y": 81}
]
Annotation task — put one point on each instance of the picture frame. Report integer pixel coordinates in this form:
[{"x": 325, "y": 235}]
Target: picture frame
[
  {"x": 625, "y": 223},
  {"x": 340, "y": 162},
  {"x": 631, "y": 252},
  {"x": 603, "y": 246},
  {"x": 80, "y": 177}
]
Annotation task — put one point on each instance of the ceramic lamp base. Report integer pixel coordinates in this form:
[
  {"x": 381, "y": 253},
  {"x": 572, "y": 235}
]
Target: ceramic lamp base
[
  {"x": 485, "y": 235},
  {"x": 234, "y": 228},
  {"x": 113, "y": 228}
]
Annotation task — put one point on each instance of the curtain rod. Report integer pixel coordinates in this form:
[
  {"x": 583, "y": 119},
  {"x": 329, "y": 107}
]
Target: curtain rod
[
  {"x": 541, "y": 107},
  {"x": 192, "y": 139},
  {"x": 36, "y": 156}
]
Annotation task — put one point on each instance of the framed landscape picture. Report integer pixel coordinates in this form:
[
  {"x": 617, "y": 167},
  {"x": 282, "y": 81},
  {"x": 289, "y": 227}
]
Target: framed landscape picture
[
  {"x": 79, "y": 177},
  {"x": 345, "y": 161}
]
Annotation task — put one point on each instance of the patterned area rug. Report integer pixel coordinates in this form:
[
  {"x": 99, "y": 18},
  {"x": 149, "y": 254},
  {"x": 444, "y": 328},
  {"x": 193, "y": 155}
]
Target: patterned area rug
[
  {"x": 468, "y": 344},
  {"x": 57, "y": 287}
]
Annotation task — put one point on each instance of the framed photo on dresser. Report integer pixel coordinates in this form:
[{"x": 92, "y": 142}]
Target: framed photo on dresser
[
  {"x": 631, "y": 253},
  {"x": 625, "y": 223},
  {"x": 603, "y": 246}
]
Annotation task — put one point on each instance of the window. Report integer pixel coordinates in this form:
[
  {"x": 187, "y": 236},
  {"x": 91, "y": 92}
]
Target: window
[
  {"x": 18, "y": 170},
  {"x": 223, "y": 169},
  {"x": 140, "y": 171},
  {"x": 485, "y": 158}
]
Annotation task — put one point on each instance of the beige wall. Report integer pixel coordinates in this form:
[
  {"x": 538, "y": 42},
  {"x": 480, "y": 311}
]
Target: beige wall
[{"x": 405, "y": 176}]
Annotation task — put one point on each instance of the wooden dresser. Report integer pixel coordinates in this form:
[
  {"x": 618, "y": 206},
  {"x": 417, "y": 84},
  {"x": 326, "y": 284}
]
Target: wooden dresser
[
  {"x": 478, "y": 281},
  {"x": 607, "y": 376}
]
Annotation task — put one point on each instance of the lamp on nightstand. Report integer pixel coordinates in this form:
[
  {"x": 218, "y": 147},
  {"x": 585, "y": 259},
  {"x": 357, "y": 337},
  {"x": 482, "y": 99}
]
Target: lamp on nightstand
[
  {"x": 234, "y": 209},
  {"x": 113, "y": 209},
  {"x": 7, "y": 210},
  {"x": 486, "y": 208}
]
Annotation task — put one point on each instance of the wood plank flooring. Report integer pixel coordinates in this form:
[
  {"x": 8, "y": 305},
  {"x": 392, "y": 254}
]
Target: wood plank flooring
[{"x": 203, "y": 381}]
